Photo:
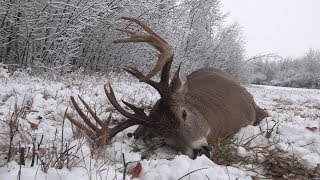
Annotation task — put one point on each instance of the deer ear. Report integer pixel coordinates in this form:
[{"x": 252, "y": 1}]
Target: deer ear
[{"x": 178, "y": 81}]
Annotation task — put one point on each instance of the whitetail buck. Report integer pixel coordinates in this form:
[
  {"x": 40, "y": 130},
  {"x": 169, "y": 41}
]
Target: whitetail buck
[{"x": 208, "y": 103}]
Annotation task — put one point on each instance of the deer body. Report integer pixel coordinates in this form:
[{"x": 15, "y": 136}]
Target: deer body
[
  {"x": 208, "y": 103},
  {"x": 217, "y": 105},
  {"x": 223, "y": 103}
]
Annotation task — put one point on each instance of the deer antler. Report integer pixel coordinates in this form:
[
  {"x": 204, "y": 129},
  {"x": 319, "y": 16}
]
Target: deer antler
[
  {"x": 104, "y": 134},
  {"x": 165, "y": 58}
]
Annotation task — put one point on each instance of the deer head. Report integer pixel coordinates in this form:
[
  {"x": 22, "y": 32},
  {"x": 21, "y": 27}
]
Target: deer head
[{"x": 179, "y": 117}]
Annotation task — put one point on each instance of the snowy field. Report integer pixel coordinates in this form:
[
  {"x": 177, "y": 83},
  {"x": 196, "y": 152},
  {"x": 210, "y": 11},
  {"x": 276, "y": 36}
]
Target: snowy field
[{"x": 37, "y": 107}]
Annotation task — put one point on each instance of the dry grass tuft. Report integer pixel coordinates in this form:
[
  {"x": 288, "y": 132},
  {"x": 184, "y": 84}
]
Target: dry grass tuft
[{"x": 276, "y": 164}]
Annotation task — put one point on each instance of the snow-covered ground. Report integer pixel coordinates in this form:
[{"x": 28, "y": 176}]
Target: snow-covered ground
[{"x": 293, "y": 128}]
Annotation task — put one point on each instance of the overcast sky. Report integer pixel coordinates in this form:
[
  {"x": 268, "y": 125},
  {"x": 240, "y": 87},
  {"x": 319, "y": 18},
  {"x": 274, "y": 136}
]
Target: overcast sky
[{"x": 286, "y": 27}]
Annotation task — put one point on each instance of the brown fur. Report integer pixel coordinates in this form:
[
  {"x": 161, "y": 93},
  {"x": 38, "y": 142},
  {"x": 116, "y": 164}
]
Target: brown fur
[
  {"x": 213, "y": 99},
  {"x": 222, "y": 101}
]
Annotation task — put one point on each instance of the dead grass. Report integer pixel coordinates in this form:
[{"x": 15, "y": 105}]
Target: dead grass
[
  {"x": 276, "y": 164},
  {"x": 22, "y": 145},
  {"x": 224, "y": 151}
]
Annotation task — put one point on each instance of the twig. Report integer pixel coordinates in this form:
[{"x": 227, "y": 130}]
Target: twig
[
  {"x": 67, "y": 157},
  {"x": 13, "y": 125},
  {"x": 228, "y": 172},
  {"x": 64, "y": 117},
  {"x": 33, "y": 152},
  {"x": 124, "y": 167},
  {"x": 269, "y": 131},
  {"x": 43, "y": 164},
  {"x": 21, "y": 159},
  {"x": 192, "y": 172},
  {"x": 39, "y": 143},
  {"x": 63, "y": 154}
]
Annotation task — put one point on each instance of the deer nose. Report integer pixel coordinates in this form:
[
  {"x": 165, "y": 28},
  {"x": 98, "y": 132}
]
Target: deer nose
[{"x": 203, "y": 150}]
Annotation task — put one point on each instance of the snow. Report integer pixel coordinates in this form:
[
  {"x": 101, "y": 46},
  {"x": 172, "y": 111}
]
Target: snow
[{"x": 293, "y": 111}]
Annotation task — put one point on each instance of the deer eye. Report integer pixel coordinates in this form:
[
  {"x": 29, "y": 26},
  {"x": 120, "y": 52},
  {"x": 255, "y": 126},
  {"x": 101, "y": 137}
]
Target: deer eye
[{"x": 184, "y": 114}]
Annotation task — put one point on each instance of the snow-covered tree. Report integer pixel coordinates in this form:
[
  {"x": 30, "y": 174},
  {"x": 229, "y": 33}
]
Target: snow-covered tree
[
  {"x": 64, "y": 35},
  {"x": 46, "y": 33},
  {"x": 293, "y": 72}
]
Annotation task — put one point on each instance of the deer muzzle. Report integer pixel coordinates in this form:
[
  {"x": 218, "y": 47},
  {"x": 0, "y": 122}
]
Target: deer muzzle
[{"x": 204, "y": 150}]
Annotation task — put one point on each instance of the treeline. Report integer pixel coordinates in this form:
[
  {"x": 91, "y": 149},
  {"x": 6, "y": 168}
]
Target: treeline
[
  {"x": 67, "y": 35},
  {"x": 63, "y": 36},
  {"x": 300, "y": 72}
]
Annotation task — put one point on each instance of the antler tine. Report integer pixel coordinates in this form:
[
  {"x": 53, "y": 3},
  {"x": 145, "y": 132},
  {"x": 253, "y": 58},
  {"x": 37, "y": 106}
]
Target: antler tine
[
  {"x": 127, "y": 31},
  {"x": 108, "y": 120},
  {"x": 86, "y": 130},
  {"x": 133, "y": 71},
  {"x": 143, "y": 26},
  {"x": 139, "y": 115},
  {"x": 136, "y": 110},
  {"x": 150, "y": 39},
  {"x": 115, "y": 103},
  {"x": 82, "y": 115},
  {"x": 103, "y": 135},
  {"x": 136, "y": 73},
  {"x": 93, "y": 114},
  {"x": 164, "y": 61}
]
